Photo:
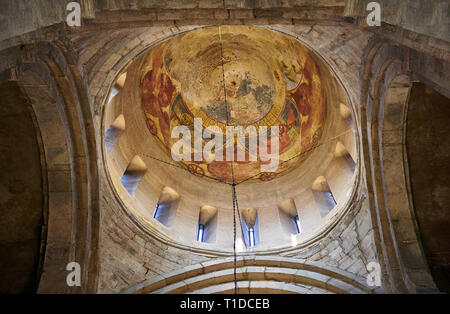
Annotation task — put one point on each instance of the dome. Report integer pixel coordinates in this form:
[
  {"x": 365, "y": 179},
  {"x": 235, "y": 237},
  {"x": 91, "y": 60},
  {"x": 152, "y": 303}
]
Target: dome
[
  {"x": 241, "y": 77},
  {"x": 168, "y": 140}
]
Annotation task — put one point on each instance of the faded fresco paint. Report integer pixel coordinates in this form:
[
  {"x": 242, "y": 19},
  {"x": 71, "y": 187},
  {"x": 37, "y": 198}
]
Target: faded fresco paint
[{"x": 267, "y": 79}]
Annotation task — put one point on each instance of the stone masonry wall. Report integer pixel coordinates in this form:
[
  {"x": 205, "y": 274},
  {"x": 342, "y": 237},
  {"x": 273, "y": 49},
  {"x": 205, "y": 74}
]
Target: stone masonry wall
[{"x": 129, "y": 255}]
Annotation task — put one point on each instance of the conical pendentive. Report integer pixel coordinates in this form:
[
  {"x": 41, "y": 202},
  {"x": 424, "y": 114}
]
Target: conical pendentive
[
  {"x": 207, "y": 213},
  {"x": 340, "y": 150},
  {"x": 119, "y": 123},
  {"x": 114, "y": 132},
  {"x": 249, "y": 215},
  {"x": 168, "y": 195},
  {"x": 344, "y": 111},
  {"x": 133, "y": 175},
  {"x": 117, "y": 87},
  {"x": 120, "y": 83},
  {"x": 288, "y": 207},
  {"x": 320, "y": 185},
  {"x": 136, "y": 166}
]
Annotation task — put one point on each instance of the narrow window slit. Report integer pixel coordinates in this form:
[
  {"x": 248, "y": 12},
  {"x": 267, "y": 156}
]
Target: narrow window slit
[
  {"x": 250, "y": 227},
  {"x": 251, "y": 236},
  {"x": 200, "y": 232},
  {"x": 114, "y": 132},
  {"x": 207, "y": 224},
  {"x": 165, "y": 210},
  {"x": 289, "y": 218},
  {"x": 323, "y": 196},
  {"x": 297, "y": 224},
  {"x": 133, "y": 175}
]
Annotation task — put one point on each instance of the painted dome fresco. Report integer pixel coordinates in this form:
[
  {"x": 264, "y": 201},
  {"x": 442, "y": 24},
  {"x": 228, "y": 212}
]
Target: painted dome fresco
[{"x": 236, "y": 76}]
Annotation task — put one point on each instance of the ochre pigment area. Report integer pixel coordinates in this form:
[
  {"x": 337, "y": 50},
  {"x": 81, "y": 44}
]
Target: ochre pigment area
[{"x": 237, "y": 76}]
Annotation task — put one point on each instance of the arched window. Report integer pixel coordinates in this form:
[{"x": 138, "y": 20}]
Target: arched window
[
  {"x": 346, "y": 114},
  {"x": 251, "y": 236},
  {"x": 117, "y": 87},
  {"x": 290, "y": 221},
  {"x": 114, "y": 132},
  {"x": 166, "y": 207},
  {"x": 207, "y": 224},
  {"x": 297, "y": 224},
  {"x": 250, "y": 227},
  {"x": 200, "y": 232},
  {"x": 323, "y": 196},
  {"x": 329, "y": 197},
  {"x": 160, "y": 211},
  {"x": 113, "y": 93},
  {"x": 133, "y": 174},
  {"x": 343, "y": 159}
]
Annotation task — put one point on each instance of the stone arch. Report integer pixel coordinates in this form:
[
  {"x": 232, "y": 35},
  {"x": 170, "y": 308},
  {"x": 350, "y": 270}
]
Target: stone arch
[
  {"x": 24, "y": 202},
  {"x": 426, "y": 155},
  {"x": 107, "y": 74},
  {"x": 384, "y": 98},
  {"x": 266, "y": 274},
  {"x": 50, "y": 78},
  {"x": 396, "y": 181},
  {"x": 104, "y": 76}
]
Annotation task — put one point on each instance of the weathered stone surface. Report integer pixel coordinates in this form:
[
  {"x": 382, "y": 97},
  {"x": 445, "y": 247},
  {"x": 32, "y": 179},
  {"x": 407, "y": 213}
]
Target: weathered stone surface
[
  {"x": 378, "y": 225},
  {"x": 22, "y": 194}
]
